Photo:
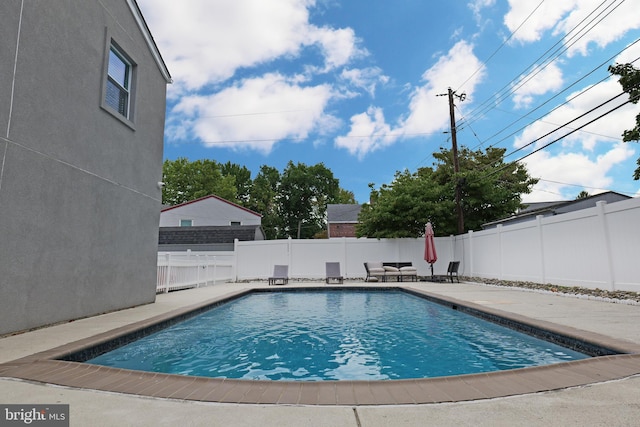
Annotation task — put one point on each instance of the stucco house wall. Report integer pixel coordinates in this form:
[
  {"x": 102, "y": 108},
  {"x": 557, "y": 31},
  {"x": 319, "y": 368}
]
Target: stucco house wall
[{"x": 79, "y": 194}]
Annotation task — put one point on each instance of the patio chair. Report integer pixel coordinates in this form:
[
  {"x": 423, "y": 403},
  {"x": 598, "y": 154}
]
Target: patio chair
[
  {"x": 280, "y": 274},
  {"x": 375, "y": 272},
  {"x": 333, "y": 272},
  {"x": 453, "y": 269}
]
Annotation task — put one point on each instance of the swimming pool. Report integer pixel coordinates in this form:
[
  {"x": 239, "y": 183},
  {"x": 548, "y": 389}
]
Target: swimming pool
[{"x": 336, "y": 334}]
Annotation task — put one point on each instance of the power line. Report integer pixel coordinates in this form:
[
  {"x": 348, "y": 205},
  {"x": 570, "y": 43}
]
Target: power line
[
  {"x": 299, "y": 138},
  {"x": 584, "y": 186},
  {"x": 252, "y": 114},
  {"x": 567, "y": 123},
  {"x": 510, "y": 88},
  {"x": 608, "y": 76},
  {"x": 484, "y": 63},
  {"x": 559, "y": 138}
]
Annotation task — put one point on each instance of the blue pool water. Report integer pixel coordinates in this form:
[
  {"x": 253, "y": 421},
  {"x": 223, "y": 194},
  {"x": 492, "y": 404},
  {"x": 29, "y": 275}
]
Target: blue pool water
[{"x": 334, "y": 335}]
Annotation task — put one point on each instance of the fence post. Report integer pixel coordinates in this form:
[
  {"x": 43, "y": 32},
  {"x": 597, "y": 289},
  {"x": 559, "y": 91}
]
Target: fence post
[
  {"x": 234, "y": 272},
  {"x": 602, "y": 216},
  {"x": 289, "y": 254},
  {"x": 471, "y": 267},
  {"x": 197, "y": 264},
  {"x": 215, "y": 269},
  {"x": 344, "y": 256},
  {"x": 543, "y": 270},
  {"x": 500, "y": 255},
  {"x": 167, "y": 279}
]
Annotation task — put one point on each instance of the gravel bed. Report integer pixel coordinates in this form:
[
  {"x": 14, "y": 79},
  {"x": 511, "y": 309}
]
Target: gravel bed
[{"x": 626, "y": 297}]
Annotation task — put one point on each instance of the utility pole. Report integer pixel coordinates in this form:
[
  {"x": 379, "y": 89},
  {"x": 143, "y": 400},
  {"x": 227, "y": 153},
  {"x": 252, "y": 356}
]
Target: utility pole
[{"x": 456, "y": 166}]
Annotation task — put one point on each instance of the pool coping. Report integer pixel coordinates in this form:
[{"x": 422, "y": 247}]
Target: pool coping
[{"x": 44, "y": 367}]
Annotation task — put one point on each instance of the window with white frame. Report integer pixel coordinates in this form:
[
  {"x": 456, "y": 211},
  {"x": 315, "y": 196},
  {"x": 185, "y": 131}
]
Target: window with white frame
[
  {"x": 186, "y": 222},
  {"x": 119, "y": 76}
]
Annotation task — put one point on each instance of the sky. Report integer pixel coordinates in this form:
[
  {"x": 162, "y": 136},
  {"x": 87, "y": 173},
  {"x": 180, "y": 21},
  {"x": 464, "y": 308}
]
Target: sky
[{"x": 357, "y": 85}]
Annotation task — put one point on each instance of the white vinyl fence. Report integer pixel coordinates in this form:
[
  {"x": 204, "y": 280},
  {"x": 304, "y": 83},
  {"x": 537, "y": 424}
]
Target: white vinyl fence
[{"x": 594, "y": 248}]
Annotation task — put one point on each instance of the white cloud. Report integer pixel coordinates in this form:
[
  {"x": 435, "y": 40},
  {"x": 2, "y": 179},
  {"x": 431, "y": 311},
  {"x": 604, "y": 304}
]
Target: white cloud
[
  {"x": 538, "y": 82},
  {"x": 589, "y": 157},
  {"x": 364, "y": 78},
  {"x": 561, "y": 170},
  {"x": 205, "y": 42},
  {"x": 574, "y": 19},
  {"x": 607, "y": 128},
  {"x": 339, "y": 46},
  {"x": 254, "y": 113},
  {"x": 428, "y": 111},
  {"x": 477, "y": 6},
  {"x": 617, "y": 19},
  {"x": 528, "y": 26},
  {"x": 369, "y": 132}
]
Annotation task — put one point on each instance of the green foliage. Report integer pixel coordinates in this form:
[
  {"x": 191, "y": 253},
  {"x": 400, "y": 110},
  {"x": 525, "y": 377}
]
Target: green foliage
[
  {"x": 185, "y": 181},
  {"x": 583, "y": 195},
  {"x": 263, "y": 197},
  {"x": 402, "y": 208},
  {"x": 303, "y": 196},
  {"x": 630, "y": 82},
  {"x": 292, "y": 204},
  {"x": 490, "y": 190},
  {"x": 242, "y": 177},
  {"x": 346, "y": 197}
]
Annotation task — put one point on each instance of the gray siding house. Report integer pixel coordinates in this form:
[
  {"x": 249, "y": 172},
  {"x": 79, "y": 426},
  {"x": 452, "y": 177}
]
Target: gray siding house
[
  {"x": 533, "y": 210},
  {"x": 209, "y": 223},
  {"x": 82, "y": 105}
]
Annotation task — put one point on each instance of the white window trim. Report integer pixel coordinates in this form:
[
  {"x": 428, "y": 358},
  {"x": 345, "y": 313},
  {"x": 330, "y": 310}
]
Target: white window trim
[
  {"x": 127, "y": 78},
  {"x": 110, "y": 44}
]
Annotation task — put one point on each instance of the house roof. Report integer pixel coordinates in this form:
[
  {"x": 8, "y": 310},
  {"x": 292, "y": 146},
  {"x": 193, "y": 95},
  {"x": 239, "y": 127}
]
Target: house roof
[
  {"x": 148, "y": 38},
  {"x": 208, "y": 234},
  {"x": 168, "y": 208},
  {"x": 537, "y": 206},
  {"x": 559, "y": 207},
  {"x": 343, "y": 212}
]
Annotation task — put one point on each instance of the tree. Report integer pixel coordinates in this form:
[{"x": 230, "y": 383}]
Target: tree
[
  {"x": 402, "y": 208},
  {"x": 185, "y": 181},
  {"x": 630, "y": 82},
  {"x": 490, "y": 190},
  {"x": 242, "y": 177},
  {"x": 302, "y": 199},
  {"x": 345, "y": 197},
  {"x": 583, "y": 195},
  {"x": 292, "y": 204},
  {"x": 263, "y": 197}
]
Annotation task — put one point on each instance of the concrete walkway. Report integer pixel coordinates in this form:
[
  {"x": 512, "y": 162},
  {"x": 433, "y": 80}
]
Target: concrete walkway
[{"x": 615, "y": 403}]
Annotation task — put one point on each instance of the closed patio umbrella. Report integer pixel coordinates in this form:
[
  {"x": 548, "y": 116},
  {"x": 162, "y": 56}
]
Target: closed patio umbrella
[{"x": 429, "y": 246}]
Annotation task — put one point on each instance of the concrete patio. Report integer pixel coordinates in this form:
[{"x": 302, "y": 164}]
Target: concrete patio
[{"x": 613, "y": 402}]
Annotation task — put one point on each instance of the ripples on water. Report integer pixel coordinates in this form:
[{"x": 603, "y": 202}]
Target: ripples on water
[{"x": 334, "y": 335}]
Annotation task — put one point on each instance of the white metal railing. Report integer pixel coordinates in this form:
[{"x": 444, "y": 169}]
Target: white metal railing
[{"x": 180, "y": 270}]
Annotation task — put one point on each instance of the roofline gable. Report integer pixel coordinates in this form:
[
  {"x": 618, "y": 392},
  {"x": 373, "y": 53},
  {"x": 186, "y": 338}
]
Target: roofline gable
[
  {"x": 148, "y": 38},
  {"x": 235, "y": 205},
  {"x": 552, "y": 208}
]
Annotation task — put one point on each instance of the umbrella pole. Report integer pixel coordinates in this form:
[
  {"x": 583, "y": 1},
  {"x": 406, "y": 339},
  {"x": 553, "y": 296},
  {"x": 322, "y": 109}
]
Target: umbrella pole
[{"x": 431, "y": 271}]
